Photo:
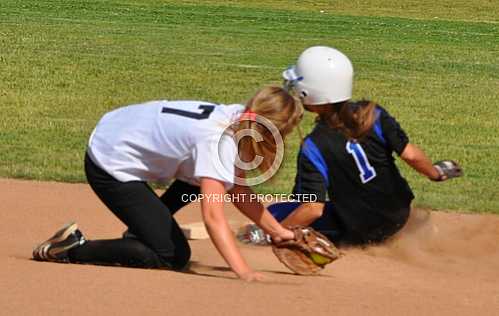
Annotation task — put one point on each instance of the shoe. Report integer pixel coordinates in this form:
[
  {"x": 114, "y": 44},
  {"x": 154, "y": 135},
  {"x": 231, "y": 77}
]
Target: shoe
[
  {"x": 56, "y": 248},
  {"x": 128, "y": 234},
  {"x": 254, "y": 235}
]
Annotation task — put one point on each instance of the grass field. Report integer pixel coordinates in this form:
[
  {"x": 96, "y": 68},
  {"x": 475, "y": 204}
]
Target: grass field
[{"x": 434, "y": 66}]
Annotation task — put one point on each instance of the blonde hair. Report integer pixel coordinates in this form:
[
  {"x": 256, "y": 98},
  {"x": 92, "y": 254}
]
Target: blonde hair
[
  {"x": 352, "y": 119},
  {"x": 282, "y": 110}
]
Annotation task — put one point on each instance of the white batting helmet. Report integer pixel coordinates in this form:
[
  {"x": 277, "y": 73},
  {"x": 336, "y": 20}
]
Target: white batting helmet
[{"x": 322, "y": 75}]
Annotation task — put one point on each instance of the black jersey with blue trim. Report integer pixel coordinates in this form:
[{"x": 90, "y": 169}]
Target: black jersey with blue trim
[{"x": 359, "y": 177}]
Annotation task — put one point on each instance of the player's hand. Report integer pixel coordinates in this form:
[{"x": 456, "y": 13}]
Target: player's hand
[
  {"x": 252, "y": 276},
  {"x": 285, "y": 234}
]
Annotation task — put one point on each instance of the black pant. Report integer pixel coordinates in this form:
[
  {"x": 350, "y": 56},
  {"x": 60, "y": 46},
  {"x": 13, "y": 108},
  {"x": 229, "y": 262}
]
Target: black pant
[
  {"x": 369, "y": 228},
  {"x": 160, "y": 242}
]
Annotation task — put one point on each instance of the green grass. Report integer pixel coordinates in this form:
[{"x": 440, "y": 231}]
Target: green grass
[{"x": 434, "y": 66}]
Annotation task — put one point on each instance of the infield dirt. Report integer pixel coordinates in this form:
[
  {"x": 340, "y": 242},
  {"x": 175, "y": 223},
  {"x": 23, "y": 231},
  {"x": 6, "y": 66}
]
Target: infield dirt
[{"x": 440, "y": 264}]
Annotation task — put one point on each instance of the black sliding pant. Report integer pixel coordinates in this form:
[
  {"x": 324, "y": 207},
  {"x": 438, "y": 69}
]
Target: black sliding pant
[{"x": 160, "y": 242}]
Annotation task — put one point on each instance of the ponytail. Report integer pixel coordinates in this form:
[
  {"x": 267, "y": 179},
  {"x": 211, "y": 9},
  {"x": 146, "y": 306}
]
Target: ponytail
[
  {"x": 282, "y": 110},
  {"x": 352, "y": 119}
]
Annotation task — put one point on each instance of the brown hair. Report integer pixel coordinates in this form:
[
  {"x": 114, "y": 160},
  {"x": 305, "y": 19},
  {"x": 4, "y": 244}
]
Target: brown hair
[
  {"x": 352, "y": 119},
  {"x": 280, "y": 108}
]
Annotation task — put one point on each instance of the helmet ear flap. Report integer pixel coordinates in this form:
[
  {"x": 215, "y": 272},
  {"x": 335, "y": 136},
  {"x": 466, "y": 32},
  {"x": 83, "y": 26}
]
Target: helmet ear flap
[
  {"x": 288, "y": 85},
  {"x": 291, "y": 78}
]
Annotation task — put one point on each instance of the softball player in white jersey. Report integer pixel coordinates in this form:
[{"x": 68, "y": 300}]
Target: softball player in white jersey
[{"x": 184, "y": 141}]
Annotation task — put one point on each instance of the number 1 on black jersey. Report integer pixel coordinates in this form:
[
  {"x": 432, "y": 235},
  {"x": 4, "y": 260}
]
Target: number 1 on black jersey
[{"x": 367, "y": 172}]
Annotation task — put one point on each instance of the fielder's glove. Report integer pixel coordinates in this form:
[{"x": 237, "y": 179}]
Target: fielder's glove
[
  {"x": 307, "y": 253},
  {"x": 448, "y": 169}
]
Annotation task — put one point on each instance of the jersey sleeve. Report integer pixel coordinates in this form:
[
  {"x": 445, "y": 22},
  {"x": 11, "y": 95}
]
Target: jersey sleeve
[
  {"x": 311, "y": 175},
  {"x": 216, "y": 159},
  {"x": 393, "y": 134}
]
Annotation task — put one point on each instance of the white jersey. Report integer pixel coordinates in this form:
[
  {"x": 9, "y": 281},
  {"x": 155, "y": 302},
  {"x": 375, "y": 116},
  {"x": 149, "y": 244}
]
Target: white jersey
[{"x": 164, "y": 140}]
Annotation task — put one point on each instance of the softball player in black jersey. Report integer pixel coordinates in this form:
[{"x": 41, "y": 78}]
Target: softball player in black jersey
[{"x": 347, "y": 160}]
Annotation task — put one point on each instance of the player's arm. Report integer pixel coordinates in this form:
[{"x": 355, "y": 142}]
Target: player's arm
[
  {"x": 219, "y": 230},
  {"x": 255, "y": 211},
  {"x": 419, "y": 161},
  {"x": 309, "y": 180},
  {"x": 398, "y": 141},
  {"x": 305, "y": 214}
]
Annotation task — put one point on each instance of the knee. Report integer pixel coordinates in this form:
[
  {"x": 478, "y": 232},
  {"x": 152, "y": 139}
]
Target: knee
[
  {"x": 182, "y": 258},
  {"x": 139, "y": 255}
]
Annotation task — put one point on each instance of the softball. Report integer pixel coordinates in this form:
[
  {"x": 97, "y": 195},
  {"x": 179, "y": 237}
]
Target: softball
[{"x": 319, "y": 259}]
